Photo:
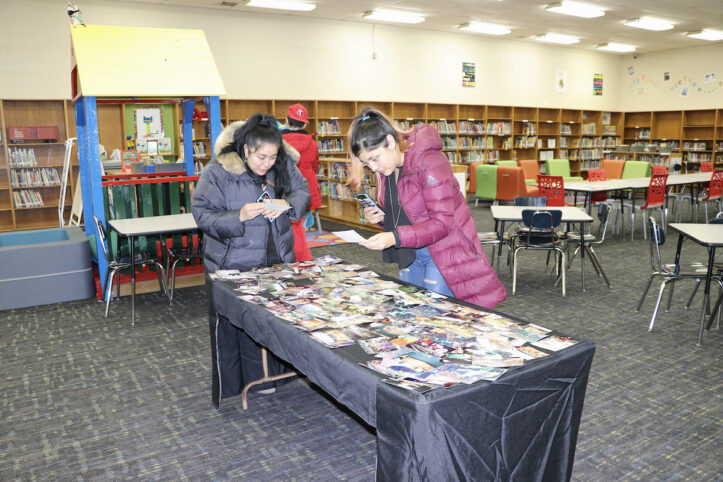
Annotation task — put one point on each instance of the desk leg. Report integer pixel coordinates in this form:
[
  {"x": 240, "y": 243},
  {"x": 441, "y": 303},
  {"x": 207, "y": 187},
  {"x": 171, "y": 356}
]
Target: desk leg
[
  {"x": 501, "y": 234},
  {"x": 266, "y": 378},
  {"x": 582, "y": 253},
  {"x": 133, "y": 281},
  {"x": 706, "y": 299}
]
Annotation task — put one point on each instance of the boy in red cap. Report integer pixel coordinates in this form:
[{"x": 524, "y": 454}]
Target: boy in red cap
[{"x": 296, "y": 135}]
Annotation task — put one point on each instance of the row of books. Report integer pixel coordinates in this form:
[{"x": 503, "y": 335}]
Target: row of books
[
  {"x": 199, "y": 149},
  {"x": 525, "y": 142},
  {"x": 590, "y": 142},
  {"x": 590, "y": 154},
  {"x": 469, "y": 127},
  {"x": 642, "y": 134},
  {"x": 610, "y": 142},
  {"x": 338, "y": 171},
  {"x": 444, "y": 127},
  {"x": 476, "y": 143},
  {"x": 694, "y": 146},
  {"x": 407, "y": 124},
  {"x": 336, "y": 190},
  {"x": 27, "y": 198},
  {"x": 34, "y": 177},
  {"x": 589, "y": 128},
  {"x": 529, "y": 129},
  {"x": 331, "y": 146},
  {"x": 449, "y": 142},
  {"x": 609, "y": 130},
  {"x": 328, "y": 128},
  {"x": 24, "y": 157},
  {"x": 588, "y": 164},
  {"x": 698, "y": 157}
]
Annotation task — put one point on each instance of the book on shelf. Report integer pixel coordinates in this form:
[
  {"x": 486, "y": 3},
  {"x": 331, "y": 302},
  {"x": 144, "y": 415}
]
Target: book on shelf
[
  {"x": 546, "y": 155},
  {"x": 331, "y": 146},
  {"x": 444, "y": 127},
  {"x": 551, "y": 143},
  {"x": 328, "y": 128}
]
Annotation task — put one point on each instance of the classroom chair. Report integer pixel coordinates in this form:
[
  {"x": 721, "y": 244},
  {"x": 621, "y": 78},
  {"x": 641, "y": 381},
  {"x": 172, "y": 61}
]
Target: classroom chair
[
  {"x": 486, "y": 184},
  {"x": 560, "y": 167},
  {"x": 553, "y": 188},
  {"x": 530, "y": 169},
  {"x": 540, "y": 235},
  {"x": 668, "y": 273},
  {"x": 511, "y": 184},
  {"x": 596, "y": 175},
  {"x": 574, "y": 238},
  {"x": 654, "y": 199},
  {"x": 613, "y": 168},
  {"x": 189, "y": 250},
  {"x": 636, "y": 169},
  {"x": 714, "y": 194}
]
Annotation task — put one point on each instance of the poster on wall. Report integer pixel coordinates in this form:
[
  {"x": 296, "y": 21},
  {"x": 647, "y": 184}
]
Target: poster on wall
[
  {"x": 468, "y": 74},
  {"x": 561, "y": 82},
  {"x": 148, "y": 123},
  {"x": 597, "y": 84}
]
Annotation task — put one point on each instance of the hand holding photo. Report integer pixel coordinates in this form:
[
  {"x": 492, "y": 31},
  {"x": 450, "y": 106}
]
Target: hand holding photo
[
  {"x": 367, "y": 201},
  {"x": 349, "y": 236},
  {"x": 276, "y": 205}
]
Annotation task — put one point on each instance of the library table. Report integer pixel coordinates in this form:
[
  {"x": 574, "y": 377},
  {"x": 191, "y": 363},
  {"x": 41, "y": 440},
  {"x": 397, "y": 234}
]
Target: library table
[
  {"x": 523, "y": 426},
  {"x": 570, "y": 214},
  {"x": 710, "y": 236},
  {"x": 149, "y": 226},
  {"x": 610, "y": 185}
]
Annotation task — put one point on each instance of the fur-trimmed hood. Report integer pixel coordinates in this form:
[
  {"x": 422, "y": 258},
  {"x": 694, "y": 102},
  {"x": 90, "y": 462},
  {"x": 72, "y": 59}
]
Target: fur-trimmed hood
[{"x": 231, "y": 161}]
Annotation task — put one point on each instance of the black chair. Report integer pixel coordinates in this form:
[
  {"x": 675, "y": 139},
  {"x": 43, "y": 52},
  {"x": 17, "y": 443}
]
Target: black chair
[
  {"x": 573, "y": 238},
  {"x": 119, "y": 263},
  {"x": 186, "y": 253},
  {"x": 540, "y": 235},
  {"x": 668, "y": 273}
]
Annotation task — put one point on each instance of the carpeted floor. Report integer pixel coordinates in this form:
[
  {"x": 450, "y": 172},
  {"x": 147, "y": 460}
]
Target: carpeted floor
[{"x": 84, "y": 397}]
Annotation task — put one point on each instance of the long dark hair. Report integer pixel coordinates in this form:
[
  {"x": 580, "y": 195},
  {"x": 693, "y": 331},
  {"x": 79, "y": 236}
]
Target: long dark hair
[{"x": 262, "y": 129}]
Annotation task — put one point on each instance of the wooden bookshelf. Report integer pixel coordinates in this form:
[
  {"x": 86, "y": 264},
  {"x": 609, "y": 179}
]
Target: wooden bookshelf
[{"x": 472, "y": 133}]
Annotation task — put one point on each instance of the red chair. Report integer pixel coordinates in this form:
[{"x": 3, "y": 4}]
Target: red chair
[
  {"x": 553, "y": 188},
  {"x": 715, "y": 192},
  {"x": 511, "y": 184},
  {"x": 654, "y": 199},
  {"x": 659, "y": 170},
  {"x": 706, "y": 167},
  {"x": 594, "y": 175}
]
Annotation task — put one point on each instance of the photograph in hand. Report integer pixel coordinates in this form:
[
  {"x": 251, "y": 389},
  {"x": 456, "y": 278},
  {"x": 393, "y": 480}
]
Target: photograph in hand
[{"x": 367, "y": 201}]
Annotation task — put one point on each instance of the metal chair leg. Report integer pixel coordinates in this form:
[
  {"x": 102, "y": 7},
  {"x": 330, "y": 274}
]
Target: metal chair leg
[
  {"x": 670, "y": 297},
  {"x": 110, "y": 289},
  {"x": 645, "y": 293},
  {"x": 657, "y": 304},
  {"x": 692, "y": 295},
  {"x": 514, "y": 271}
]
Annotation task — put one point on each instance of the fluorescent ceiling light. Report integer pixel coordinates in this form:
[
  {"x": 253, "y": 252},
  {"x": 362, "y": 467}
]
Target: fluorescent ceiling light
[
  {"x": 557, "y": 38},
  {"x": 648, "y": 23},
  {"x": 393, "y": 16},
  {"x": 706, "y": 34},
  {"x": 282, "y": 5},
  {"x": 576, "y": 9},
  {"x": 615, "y": 47},
  {"x": 483, "y": 27}
]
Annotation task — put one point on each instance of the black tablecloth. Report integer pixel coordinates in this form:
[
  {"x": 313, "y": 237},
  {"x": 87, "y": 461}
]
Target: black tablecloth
[{"x": 523, "y": 426}]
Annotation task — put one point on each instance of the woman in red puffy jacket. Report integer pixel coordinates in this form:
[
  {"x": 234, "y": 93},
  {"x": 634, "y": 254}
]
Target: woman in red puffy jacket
[{"x": 428, "y": 228}]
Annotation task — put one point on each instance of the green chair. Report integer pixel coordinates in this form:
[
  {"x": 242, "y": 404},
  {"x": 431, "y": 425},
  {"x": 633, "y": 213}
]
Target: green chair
[
  {"x": 507, "y": 163},
  {"x": 636, "y": 169},
  {"x": 486, "y": 177},
  {"x": 560, "y": 167}
]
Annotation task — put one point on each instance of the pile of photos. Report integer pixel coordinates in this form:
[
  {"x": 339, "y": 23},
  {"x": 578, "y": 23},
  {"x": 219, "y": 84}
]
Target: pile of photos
[{"x": 418, "y": 339}]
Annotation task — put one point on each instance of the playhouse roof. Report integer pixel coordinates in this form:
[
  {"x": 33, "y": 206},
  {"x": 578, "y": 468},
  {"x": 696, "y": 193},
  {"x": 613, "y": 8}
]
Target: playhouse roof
[{"x": 110, "y": 61}]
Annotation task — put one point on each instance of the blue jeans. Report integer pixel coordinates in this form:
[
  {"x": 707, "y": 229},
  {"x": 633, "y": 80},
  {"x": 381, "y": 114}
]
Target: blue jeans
[{"x": 424, "y": 273}]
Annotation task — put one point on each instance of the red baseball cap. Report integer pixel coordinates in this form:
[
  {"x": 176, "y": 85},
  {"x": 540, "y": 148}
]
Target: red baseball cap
[{"x": 297, "y": 112}]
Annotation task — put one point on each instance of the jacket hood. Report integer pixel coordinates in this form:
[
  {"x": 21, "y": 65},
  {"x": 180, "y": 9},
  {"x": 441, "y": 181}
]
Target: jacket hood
[
  {"x": 422, "y": 139},
  {"x": 231, "y": 161},
  {"x": 301, "y": 139}
]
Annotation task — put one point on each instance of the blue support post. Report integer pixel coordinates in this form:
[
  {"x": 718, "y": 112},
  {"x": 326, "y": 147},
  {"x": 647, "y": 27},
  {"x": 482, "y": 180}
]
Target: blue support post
[
  {"x": 86, "y": 119},
  {"x": 187, "y": 112},
  {"x": 213, "y": 107}
]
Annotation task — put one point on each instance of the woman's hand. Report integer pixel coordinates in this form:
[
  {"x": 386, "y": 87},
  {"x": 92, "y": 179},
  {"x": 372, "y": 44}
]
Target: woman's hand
[
  {"x": 272, "y": 213},
  {"x": 379, "y": 241},
  {"x": 250, "y": 211},
  {"x": 373, "y": 215}
]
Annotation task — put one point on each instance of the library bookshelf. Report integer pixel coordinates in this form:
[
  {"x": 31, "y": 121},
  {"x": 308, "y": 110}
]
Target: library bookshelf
[{"x": 470, "y": 133}]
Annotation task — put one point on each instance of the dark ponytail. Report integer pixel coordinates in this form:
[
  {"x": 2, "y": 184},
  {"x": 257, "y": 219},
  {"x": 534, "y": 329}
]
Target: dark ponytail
[{"x": 257, "y": 130}]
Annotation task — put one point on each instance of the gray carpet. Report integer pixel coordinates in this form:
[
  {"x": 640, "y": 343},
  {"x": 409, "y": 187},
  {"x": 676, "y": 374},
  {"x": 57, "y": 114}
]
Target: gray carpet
[{"x": 84, "y": 397}]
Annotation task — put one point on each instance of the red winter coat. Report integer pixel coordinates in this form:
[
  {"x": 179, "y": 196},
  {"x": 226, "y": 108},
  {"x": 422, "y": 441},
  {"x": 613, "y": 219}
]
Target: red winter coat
[
  {"x": 308, "y": 162},
  {"x": 441, "y": 220}
]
